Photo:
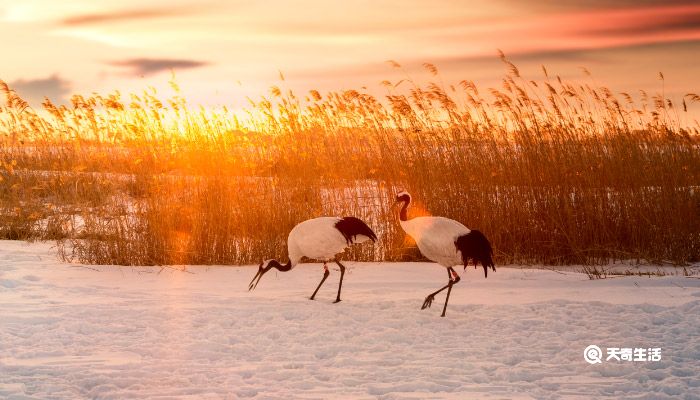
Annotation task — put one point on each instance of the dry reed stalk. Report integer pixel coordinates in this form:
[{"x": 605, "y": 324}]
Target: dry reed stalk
[{"x": 554, "y": 172}]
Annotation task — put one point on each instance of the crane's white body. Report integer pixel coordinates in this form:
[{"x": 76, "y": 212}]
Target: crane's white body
[
  {"x": 435, "y": 237},
  {"x": 318, "y": 239}
]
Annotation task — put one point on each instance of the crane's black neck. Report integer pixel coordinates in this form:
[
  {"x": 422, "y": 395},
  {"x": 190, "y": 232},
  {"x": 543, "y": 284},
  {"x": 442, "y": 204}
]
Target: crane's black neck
[
  {"x": 403, "y": 215},
  {"x": 286, "y": 267}
]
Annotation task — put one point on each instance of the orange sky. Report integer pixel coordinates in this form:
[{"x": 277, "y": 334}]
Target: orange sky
[{"x": 222, "y": 51}]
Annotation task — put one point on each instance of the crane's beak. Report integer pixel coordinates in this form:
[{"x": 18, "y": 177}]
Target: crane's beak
[{"x": 261, "y": 271}]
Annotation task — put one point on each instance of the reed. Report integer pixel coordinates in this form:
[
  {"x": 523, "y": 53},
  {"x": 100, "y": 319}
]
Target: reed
[{"x": 553, "y": 172}]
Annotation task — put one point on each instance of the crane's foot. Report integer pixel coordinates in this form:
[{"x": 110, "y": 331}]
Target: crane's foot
[
  {"x": 428, "y": 301},
  {"x": 336, "y": 301}
]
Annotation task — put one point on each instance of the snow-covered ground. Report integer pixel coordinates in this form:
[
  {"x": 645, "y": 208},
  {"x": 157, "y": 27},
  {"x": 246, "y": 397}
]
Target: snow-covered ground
[{"x": 71, "y": 332}]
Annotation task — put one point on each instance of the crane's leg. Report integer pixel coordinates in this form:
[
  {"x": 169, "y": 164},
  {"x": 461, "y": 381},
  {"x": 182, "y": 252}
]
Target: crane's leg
[
  {"x": 325, "y": 275},
  {"x": 453, "y": 278},
  {"x": 340, "y": 285}
]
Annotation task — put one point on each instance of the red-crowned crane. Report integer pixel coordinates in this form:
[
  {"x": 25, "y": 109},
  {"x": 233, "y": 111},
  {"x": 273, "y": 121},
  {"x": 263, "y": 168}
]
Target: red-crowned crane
[
  {"x": 319, "y": 239},
  {"x": 446, "y": 242}
]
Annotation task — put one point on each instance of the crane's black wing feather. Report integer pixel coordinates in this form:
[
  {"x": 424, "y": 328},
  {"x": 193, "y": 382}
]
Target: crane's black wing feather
[
  {"x": 475, "y": 246},
  {"x": 350, "y": 227}
]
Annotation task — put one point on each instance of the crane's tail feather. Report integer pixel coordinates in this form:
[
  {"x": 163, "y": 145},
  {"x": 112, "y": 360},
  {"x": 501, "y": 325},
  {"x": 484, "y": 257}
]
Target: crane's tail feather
[
  {"x": 351, "y": 228},
  {"x": 476, "y": 247}
]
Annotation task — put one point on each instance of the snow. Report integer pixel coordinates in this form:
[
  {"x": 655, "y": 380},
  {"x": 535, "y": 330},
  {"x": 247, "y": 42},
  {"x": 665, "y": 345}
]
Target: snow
[{"x": 105, "y": 332}]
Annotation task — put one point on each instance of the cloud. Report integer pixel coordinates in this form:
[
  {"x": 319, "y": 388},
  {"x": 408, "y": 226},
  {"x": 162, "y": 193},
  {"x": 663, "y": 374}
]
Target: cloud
[
  {"x": 681, "y": 22},
  {"x": 34, "y": 90},
  {"x": 548, "y": 5},
  {"x": 582, "y": 57},
  {"x": 124, "y": 15},
  {"x": 150, "y": 66}
]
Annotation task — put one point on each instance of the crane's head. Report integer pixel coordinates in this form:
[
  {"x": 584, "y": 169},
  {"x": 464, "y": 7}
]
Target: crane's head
[
  {"x": 403, "y": 197},
  {"x": 264, "y": 267}
]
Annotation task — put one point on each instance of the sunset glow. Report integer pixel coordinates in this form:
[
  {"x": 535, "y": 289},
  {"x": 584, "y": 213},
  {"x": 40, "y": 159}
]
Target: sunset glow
[{"x": 224, "y": 51}]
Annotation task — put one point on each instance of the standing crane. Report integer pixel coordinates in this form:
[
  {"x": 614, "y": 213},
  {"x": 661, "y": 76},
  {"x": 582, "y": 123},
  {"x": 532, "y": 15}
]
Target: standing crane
[{"x": 446, "y": 242}]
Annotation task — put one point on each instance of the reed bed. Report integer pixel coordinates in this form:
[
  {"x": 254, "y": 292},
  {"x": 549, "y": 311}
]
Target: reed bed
[{"x": 553, "y": 172}]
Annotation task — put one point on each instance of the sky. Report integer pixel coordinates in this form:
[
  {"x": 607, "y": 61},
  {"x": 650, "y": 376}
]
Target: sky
[{"x": 223, "y": 51}]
